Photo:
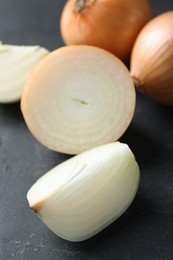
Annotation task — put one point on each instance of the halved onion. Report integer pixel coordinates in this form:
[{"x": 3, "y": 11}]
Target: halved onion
[{"x": 78, "y": 97}]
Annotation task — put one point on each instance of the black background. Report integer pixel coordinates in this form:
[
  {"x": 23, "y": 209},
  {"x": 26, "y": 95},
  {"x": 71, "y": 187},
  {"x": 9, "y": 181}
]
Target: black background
[{"x": 145, "y": 231}]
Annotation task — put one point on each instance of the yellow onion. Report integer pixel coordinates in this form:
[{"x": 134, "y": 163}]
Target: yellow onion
[
  {"x": 16, "y": 64},
  {"x": 83, "y": 195},
  {"x": 152, "y": 59},
  {"x": 77, "y": 98},
  {"x": 112, "y": 24}
]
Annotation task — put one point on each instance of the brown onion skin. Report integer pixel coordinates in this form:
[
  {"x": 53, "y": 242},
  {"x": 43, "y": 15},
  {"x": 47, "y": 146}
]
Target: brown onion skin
[
  {"x": 152, "y": 59},
  {"x": 109, "y": 24}
]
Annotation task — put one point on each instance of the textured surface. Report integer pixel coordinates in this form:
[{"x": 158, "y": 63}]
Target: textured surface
[{"x": 145, "y": 231}]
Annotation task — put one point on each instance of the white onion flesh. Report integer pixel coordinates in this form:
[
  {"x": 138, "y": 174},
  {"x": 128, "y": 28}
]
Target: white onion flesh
[
  {"x": 77, "y": 98},
  {"x": 16, "y": 64},
  {"x": 83, "y": 195}
]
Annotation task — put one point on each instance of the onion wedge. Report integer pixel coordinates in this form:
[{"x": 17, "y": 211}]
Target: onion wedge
[{"x": 16, "y": 64}]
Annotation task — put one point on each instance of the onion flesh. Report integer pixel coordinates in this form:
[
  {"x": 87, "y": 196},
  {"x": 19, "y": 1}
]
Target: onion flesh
[
  {"x": 83, "y": 195},
  {"x": 78, "y": 97},
  {"x": 16, "y": 64}
]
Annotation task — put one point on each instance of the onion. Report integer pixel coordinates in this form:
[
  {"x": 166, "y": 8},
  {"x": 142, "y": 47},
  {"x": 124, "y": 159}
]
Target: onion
[
  {"x": 16, "y": 64},
  {"x": 78, "y": 97},
  {"x": 152, "y": 59},
  {"x": 109, "y": 24},
  {"x": 83, "y": 195}
]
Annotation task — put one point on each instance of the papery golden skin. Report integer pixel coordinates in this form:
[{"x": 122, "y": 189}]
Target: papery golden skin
[
  {"x": 109, "y": 24},
  {"x": 152, "y": 59}
]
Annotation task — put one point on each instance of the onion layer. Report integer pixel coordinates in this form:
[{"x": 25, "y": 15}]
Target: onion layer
[
  {"x": 16, "y": 64},
  {"x": 78, "y": 97},
  {"x": 83, "y": 195}
]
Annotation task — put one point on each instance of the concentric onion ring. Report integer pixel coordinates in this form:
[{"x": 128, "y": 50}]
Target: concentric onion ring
[{"x": 78, "y": 97}]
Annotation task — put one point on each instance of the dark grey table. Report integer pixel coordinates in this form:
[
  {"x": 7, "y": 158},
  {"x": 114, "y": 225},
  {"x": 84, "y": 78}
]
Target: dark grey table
[{"x": 145, "y": 231}]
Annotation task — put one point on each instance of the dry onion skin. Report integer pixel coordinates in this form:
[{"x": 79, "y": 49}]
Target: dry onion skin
[
  {"x": 83, "y": 195},
  {"x": 16, "y": 64},
  {"x": 152, "y": 59},
  {"x": 78, "y": 97},
  {"x": 112, "y": 24}
]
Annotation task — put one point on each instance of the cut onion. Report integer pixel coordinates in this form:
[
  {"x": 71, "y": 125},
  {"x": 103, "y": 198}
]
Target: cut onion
[
  {"x": 83, "y": 195},
  {"x": 16, "y": 64},
  {"x": 78, "y": 97}
]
